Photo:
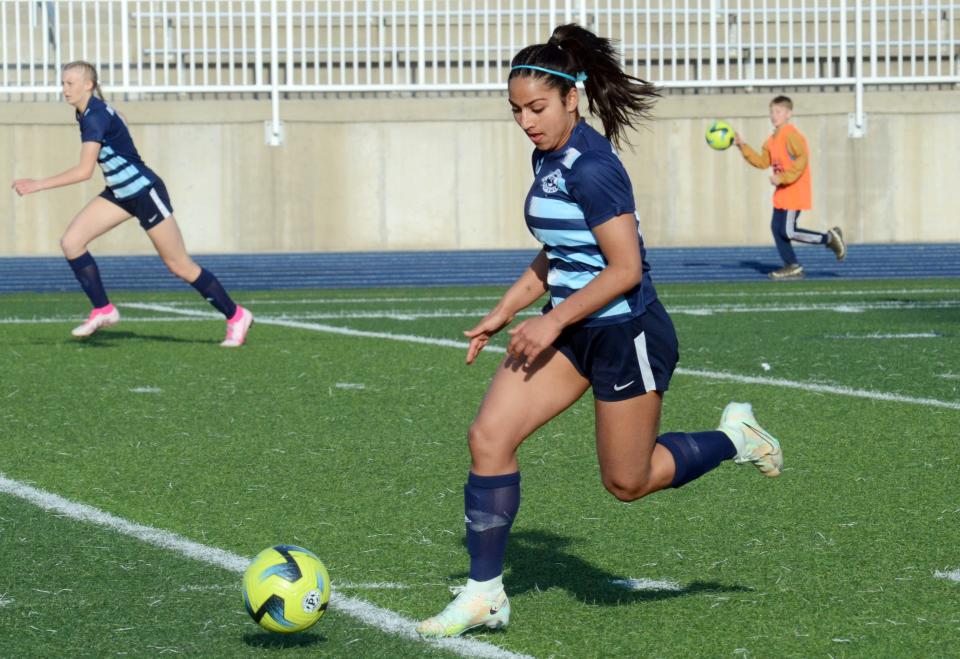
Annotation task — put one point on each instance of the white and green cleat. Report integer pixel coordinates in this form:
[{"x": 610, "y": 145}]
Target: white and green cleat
[
  {"x": 470, "y": 609},
  {"x": 754, "y": 444}
]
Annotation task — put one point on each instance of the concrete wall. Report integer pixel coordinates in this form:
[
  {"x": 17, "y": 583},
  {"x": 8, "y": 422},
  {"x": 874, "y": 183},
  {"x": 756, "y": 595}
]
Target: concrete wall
[{"x": 442, "y": 173}]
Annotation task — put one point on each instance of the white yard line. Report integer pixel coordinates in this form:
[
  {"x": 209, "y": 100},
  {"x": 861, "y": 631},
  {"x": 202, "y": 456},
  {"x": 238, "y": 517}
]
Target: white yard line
[
  {"x": 448, "y": 343},
  {"x": 390, "y": 314},
  {"x": 373, "y": 585},
  {"x": 908, "y": 335},
  {"x": 341, "y": 585},
  {"x": 824, "y": 293},
  {"x": 837, "y": 307},
  {"x": 253, "y": 301},
  {"x": 700, "y": 310},
  {"x": 394, "y": 314},
  {"x": 953, "y": 575},
  {"x": 647, "y": 585},
  {"x": 330, "y": 329},
  {"x": 819, "y": 388},
  {"x": 382, "y": 619},
  {"x": 419, "y": 314}
]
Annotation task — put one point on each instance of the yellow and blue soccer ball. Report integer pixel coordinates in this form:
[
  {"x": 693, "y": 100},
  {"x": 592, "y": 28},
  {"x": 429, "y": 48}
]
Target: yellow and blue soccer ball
[
  {"x": 286, "y": 589},
  {"x": 720, "y": 135}
]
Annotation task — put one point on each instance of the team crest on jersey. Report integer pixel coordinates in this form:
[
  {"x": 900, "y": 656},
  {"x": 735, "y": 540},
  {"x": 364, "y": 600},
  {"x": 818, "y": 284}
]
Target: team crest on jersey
[{"x": 551, "y": 182}]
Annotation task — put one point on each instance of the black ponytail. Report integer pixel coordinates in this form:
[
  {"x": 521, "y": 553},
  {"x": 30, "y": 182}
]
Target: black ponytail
[{"x": 619, "y": 99}]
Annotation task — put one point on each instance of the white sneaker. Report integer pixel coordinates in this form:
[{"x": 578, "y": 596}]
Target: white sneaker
[
  {"x": 237, "y": 330},
  {"x": 98, "y": 319},
  {"x": 469, "y": 610},
  {"x": 754, "y": 444}
]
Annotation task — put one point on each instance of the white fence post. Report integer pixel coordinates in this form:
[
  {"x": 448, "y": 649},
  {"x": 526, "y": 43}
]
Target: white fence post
[
  {"x": 422, "y": 45},
  {"x": 274, "y": 127},
  {"x": 857, "y": 127},
  {"x": 124, "y": 42},
  {"x": 257, "y": 44},
  {"x": 713, "y": 40}
]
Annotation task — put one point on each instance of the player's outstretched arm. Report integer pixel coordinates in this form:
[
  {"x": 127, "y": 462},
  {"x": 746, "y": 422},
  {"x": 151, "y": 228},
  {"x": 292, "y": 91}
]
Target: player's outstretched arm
[
  {"x": 758, "y": 160},
  {"x": 525, "y": 291},
  {"x": 89, "y": 151}
]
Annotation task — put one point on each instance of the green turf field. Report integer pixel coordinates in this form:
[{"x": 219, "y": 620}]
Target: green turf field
[{"x": 340, "y": 429}]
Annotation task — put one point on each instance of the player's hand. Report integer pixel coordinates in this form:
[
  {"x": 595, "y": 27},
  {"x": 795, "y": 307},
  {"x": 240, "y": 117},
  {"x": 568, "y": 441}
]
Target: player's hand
[
  {"x": 25, "y": 186},
  {"x": 775, "y": 179},
  {"x": 737, "y": 140},
  {"x": 480, "y": 335},
  {"x": 531, "y": 337}
]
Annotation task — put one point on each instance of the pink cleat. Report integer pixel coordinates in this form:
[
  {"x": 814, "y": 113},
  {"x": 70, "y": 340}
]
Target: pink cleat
[
  {"x": 237, "y": 328},
  {"x": 98, "y": 319}
]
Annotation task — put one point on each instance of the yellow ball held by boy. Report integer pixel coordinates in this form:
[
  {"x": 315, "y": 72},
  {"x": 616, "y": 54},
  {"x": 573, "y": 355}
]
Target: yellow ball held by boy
[{"x": 720, "y": 135}]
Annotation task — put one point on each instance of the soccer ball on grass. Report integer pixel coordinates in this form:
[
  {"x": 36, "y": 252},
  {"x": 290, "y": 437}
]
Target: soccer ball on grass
[{"x": 286, "y": 589}]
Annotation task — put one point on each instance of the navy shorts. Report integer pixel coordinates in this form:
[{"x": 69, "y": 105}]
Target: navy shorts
[
  {"x": 150, "y": 207},
  {"x": 627, "y": 359}
]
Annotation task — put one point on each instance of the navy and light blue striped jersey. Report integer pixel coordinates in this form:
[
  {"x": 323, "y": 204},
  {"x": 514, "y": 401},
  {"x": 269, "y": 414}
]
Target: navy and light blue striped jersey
[
  {"x": 125, "y": 173},
  {"x": 575, "y": 189}
]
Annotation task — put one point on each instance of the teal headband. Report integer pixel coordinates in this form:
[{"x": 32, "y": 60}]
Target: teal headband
[{"x": 580, "y": 77}]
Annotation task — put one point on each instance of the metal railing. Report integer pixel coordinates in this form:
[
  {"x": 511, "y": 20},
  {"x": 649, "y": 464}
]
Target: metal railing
[
  {"x": 383, "y": 45},
  {"x": 279, "y": 46}
]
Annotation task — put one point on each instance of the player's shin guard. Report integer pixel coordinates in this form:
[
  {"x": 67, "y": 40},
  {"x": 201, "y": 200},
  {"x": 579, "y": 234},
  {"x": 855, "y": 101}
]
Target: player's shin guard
[
  {"x": 88, "y": 274},
  {"x": 694, "y": 454},
  {"x": 490, "y": 506},
  {"x": 213, "y": 292}
]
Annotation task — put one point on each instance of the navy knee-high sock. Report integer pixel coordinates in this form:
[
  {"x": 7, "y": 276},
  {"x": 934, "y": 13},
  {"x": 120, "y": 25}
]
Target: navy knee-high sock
[
  {"x": 212, "y": 290},
  {"x": 696, "y": 453},
  {"x": 490, "y": 504},
  {"x": 88, "y": 274}
]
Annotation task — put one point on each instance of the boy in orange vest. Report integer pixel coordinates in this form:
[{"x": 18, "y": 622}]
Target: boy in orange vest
[{"x": 787, "y": 153}]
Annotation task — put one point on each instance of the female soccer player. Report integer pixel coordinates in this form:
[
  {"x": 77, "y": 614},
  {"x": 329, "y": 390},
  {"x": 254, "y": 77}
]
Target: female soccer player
[
  {"x": 603, "y": 326},
  {"x": 132, "y": 190}
]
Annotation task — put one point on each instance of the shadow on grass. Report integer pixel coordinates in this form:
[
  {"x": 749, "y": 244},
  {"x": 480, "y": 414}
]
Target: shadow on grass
[
  {"x": 765, "y": 268},
  {"x": 107, "y": 339},
  {"x": 752, "y": 264},
  {"x": 757, "y": 266},
  {"x": 537, "y": 560},
  {"x": 268, "y": 641}
]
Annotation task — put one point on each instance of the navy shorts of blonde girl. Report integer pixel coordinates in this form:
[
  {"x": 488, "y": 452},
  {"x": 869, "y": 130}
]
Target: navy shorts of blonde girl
[
  {"x": 627, "y": 359},
  {"x": 150, "y": 207}
]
